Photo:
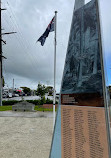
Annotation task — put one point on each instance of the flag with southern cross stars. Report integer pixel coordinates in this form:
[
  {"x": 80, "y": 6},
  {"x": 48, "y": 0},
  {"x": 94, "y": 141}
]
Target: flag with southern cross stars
[{"x": 49, "y": 29}]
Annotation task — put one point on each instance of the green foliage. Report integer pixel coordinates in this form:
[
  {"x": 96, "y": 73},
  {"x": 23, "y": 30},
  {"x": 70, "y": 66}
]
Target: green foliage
[
  {"x": 49, "y": 90},
  {"x": 40, "y": 108},
  {"x": 37, "y": 108},
  {"x": 35, "y": 102},
  {"x": 43, "y": 100},
  {"x": 48, "y": 101},
  {"x": 9, "y": 102},
  {"x": 26, "y": 90},
  {"x": 41, "y": 90}
]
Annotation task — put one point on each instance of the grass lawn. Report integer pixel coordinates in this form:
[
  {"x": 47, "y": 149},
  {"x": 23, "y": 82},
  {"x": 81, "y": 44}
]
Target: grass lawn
[
  {"x": 5, "y": 108},
  {"x": 37, "y": 108}
]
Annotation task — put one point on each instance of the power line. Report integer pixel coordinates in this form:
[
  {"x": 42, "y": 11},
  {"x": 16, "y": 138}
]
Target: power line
[
  {"x": 21, "y": 36},
  {"x": 8, "y": 33}
]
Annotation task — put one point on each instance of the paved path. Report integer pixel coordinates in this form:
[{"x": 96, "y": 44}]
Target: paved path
[
  {"x": 25, "y": 137},
  {"x": 25, "y": 114},
  {"x": 25, "y": 134}
]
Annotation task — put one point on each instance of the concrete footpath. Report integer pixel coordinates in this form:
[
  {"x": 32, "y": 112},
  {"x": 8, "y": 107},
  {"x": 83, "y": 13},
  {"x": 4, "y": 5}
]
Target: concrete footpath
[{"x": 25, "y": 134}]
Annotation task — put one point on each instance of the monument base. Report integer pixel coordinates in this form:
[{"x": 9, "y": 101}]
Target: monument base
[{"x": 23, "y": 106}]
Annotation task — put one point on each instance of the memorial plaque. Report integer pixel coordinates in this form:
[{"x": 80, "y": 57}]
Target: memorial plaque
[
  {"x": 83, "y": 132},
  {"x": 87, "y": 99}
]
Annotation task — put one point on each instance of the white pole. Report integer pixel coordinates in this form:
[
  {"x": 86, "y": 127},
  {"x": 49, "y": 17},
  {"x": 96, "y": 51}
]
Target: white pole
[
  {"x": 54, "y": 94},
  {"x": 13, "y": 84}
]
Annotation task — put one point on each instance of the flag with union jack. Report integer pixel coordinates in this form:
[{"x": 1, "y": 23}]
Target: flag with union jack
[{"x": 49, "y": 29}]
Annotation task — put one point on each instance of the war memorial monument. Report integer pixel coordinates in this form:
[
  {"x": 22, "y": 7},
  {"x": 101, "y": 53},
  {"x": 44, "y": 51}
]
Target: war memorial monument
[{"x": 82, "y": 122}]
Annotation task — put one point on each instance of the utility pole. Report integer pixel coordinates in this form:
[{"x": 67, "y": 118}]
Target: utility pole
[
  {"x": 1, "y": 56},
  {"x": 1, "y": 74}
]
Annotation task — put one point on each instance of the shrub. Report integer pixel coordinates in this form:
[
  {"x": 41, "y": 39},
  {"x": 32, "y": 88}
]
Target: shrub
[
  {"x": 10, "y": 102},
  {"x": 48, "y": 101},
  {"x": 35, "y": 102}
]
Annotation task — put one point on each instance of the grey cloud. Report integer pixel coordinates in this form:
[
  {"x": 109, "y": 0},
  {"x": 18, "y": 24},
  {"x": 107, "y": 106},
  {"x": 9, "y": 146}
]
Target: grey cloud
[{"x": 31, "y": 61}]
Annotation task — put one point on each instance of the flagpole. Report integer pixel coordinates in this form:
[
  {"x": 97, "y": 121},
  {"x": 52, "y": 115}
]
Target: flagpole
[{"x": 54, "y": 94}]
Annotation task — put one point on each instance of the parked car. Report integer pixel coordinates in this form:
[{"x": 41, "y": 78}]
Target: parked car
[
  {"x": 16, "y": 95},
  {"x": 10, "y": 95},
  {"x": 4, "y": 95}
]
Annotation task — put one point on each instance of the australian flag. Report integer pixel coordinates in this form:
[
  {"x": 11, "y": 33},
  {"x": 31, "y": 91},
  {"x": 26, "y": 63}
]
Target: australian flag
[{"x": 50, "y": 28}]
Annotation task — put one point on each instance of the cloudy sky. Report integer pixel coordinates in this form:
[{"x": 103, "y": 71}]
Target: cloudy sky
[{"x": 27, "y": 61}]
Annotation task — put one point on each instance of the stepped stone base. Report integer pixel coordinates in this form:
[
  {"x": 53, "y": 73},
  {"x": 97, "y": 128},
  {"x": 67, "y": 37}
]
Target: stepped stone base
[{"x": 23, "y": 106}]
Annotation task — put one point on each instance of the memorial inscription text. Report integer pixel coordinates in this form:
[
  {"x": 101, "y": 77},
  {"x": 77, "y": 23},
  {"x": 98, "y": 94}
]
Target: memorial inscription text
[{"x": 83, "y": 131}]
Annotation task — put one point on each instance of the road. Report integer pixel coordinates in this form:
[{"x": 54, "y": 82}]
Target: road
[{"x": 28, "y": 98}]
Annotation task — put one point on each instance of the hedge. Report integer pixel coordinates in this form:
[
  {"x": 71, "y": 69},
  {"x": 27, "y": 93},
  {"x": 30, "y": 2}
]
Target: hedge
[
  {"x": 10, "y": 102},
  {"x": 35, "y": 102}
]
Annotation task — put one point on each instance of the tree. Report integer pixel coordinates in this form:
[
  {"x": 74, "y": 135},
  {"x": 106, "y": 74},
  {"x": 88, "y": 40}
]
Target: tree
[
  {"x": 41, "y": 90},
  {"x": 26, "y": 90},
  {"x": 49, "y": 90}
]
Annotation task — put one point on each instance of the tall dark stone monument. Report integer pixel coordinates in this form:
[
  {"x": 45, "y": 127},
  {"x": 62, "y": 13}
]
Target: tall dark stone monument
[{"x": 82, "y": 127}]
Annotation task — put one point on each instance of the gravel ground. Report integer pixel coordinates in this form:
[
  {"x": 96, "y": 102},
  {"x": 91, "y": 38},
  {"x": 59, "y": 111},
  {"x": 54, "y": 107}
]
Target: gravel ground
[{"x": 22, "y": 137}]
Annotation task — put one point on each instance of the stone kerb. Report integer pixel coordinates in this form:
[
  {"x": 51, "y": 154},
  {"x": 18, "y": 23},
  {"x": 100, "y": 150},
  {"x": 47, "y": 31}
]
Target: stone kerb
[{"x": 23, "y": 106}]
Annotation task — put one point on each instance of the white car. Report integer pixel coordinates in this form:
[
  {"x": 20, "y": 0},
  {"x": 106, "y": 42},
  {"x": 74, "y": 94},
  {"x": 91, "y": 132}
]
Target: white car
[
  {"x": 4, "y": 95},
  {"x": 10, "y": 95},
  {"x": 16, "y": 95}
]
